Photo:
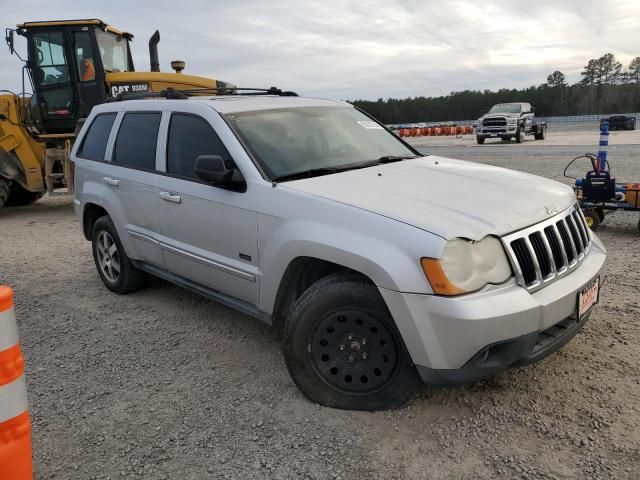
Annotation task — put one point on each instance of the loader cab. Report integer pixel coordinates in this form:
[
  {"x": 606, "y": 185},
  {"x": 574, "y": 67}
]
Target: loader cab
[{"x": 67, "y": 62}]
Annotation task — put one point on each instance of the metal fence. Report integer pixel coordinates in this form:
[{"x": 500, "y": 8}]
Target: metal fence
[
  {"x": 565, "y": 119},
  {"x": 584, "y": 118}
]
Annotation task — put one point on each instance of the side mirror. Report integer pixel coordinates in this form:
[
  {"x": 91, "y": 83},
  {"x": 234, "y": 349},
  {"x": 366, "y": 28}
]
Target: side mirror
[
  {"x": 533, "y": 110},
  {"x": 9, "y": 39},
  {"x": 212, "y": 169}
]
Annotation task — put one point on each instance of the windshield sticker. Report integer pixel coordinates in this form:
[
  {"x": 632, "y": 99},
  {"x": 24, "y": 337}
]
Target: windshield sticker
[{"x": 369, "y": 125}]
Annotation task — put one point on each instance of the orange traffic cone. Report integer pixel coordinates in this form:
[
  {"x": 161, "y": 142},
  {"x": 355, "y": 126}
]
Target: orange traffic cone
[{"x": 15, "y": 425}]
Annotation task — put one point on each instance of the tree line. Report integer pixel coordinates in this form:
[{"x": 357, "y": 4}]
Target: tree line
[{"x": 605, "y": 87}]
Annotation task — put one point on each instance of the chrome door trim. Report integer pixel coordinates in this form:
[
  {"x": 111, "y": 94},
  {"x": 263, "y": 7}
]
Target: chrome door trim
[{"x": 209, "y": 263}]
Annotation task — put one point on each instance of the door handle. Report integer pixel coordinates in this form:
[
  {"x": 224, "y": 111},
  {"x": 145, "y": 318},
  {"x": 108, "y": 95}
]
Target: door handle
[
  {"x": 170, "y": 197},
  {"x": 114, "y": 182}
]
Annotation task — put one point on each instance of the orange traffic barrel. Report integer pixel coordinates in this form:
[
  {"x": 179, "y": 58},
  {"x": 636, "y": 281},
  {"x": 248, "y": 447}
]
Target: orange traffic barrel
[{"x": 15, "y": 425}]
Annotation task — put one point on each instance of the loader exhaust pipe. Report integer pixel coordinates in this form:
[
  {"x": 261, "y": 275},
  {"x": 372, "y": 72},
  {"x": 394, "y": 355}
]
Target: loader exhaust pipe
[{"x": 153, "y": 51}]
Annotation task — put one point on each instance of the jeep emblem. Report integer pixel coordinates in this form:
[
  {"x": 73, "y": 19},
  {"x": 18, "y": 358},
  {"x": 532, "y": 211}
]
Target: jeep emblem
[{"x": 551, "y": 209}]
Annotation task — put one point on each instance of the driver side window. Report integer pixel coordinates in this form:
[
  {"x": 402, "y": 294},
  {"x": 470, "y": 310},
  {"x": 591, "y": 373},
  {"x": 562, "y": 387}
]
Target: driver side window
[{"x": 51, "y": 63}]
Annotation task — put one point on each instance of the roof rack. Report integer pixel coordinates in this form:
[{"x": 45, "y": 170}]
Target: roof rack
[{"x": 173, "y": 94}]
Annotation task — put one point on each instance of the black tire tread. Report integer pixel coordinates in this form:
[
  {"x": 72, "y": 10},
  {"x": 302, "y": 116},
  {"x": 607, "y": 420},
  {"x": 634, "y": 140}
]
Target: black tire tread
[
  {"x": 19, "y": 196},
  {"x": 5, "y": 191},
  {"x": 355, "y": 285}
]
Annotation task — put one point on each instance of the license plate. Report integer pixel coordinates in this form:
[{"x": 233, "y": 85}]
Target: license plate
[
  {"x": 494, "y": 134},
  {"x": 588, "y": 297}
]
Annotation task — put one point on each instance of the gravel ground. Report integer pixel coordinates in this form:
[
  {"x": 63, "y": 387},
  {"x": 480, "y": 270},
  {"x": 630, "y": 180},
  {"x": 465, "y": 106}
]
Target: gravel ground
[{"x": 165, "y": 384}]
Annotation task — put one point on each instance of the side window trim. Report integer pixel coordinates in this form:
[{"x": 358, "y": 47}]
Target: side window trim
[
  {"x": 112, "y": 136},
  {"x": 163, "y": 138}
]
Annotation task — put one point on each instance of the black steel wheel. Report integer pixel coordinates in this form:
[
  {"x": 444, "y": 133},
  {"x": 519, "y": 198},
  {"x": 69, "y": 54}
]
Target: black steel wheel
[
  {"x": 353, "y": 350},
  {"x": 343, "y": 349}
]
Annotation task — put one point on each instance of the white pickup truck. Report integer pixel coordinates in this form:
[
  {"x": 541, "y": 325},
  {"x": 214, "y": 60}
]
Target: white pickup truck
[{"x": 510, "y": 120}]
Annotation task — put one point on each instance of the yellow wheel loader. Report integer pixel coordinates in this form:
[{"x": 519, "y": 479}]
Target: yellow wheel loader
[{"x": 71, "y": 66}]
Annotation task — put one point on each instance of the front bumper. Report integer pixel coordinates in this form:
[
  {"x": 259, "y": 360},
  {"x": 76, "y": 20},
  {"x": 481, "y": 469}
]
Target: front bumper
[
  {"x": 502, "y": 130},
  {"x": 461, "y": 339}
]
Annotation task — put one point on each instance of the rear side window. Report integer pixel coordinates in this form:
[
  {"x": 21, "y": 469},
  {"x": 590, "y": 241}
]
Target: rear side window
[
  {"x": 190, "y": 137},
  {"x": 94, "y": 144},
  {"x": 136, "y": 141}
]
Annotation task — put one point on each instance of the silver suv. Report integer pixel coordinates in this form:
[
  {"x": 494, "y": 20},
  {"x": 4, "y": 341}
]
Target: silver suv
[{"x": 381, "y": 267}]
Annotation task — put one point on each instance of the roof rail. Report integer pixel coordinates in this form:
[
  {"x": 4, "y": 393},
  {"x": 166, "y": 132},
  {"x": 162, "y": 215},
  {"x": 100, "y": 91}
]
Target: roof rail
[{"x": 173, "y": 94}]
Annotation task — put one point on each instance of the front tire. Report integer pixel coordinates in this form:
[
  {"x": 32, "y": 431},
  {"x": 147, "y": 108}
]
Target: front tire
[
  {"x": 114, "y": 267},
  {"x": 343, "y": 349},
  {"x": 520, "y": 135},
  {"x": 480, "y": 140}
]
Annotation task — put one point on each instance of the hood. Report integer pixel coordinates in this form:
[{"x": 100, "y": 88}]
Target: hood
[
  {"x": 500, "y": 115},
  {"x": 451, "y": 198}
]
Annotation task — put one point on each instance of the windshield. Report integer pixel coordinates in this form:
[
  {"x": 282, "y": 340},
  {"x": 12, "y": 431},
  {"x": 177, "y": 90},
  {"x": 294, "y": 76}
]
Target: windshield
[
  {"x": 506, "y": 108},
  {"x": 294, "y": 140},
  {"x": 114, "y": 51}
]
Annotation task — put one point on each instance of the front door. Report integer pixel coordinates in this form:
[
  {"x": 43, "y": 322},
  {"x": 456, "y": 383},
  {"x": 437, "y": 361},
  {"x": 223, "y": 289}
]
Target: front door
[
  {"x": 208, "y": 233},
  {"x": 53, "y": 80}
]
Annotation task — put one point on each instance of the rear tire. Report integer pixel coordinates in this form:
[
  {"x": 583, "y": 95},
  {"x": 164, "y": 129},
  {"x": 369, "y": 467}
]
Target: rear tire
[
  {"x": 343, "y": 349},
  {"x": 114, "y": 267},
  {"x": 542, "y": 134},
  {"x": 5, "y": 190},
  {"x": 480, "y": 140}
]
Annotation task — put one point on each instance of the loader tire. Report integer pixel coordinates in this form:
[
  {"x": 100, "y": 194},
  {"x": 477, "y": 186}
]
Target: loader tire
[
  {"x": 19, "y": 196},
  {"x": 5, "y": 190}
]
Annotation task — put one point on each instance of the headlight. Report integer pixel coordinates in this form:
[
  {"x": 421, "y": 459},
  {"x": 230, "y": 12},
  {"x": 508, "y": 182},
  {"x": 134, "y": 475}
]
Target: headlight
[
  {"x": 467, "y": 266},
  {"x": 512, "y": 120}
]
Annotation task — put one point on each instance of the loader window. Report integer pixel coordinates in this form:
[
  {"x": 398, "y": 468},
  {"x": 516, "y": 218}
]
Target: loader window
[
  {"x": 114, "y": 51},
  {"x": 51, "y": 63},
  {"x": 84, "y": 57}
]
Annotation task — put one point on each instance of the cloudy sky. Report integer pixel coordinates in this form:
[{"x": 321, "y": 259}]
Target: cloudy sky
[{"x": 367, "y": 49}]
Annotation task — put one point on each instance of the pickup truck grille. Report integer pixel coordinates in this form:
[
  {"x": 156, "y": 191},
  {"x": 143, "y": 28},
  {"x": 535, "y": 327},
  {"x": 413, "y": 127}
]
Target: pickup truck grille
[
  {"x": 549, "y": 250},
  {"x": 494, "y": 122}
]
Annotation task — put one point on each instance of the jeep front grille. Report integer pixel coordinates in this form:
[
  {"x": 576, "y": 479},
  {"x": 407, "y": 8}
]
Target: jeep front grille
[
  {"x": 494, "y": 122},
  {"x": 544, "y": 252}
]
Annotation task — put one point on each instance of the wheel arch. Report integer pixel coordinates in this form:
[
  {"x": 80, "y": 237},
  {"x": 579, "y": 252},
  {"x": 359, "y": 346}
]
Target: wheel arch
[
  {"x": 11, "y": 168},
  {"x": 90, "y": 214},
  {"x": 299, "y": 275}
]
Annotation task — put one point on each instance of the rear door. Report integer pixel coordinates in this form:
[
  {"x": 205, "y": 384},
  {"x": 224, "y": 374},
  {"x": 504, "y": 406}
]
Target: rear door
[
  {"x": 208, "y": 233},
  {"x": 132, "y": 179}
]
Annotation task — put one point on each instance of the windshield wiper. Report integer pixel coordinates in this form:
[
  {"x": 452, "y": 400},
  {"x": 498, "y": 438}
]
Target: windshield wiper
[
  {"x": 394, "y": 158},
  {"x": 314, "y": 172}
]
